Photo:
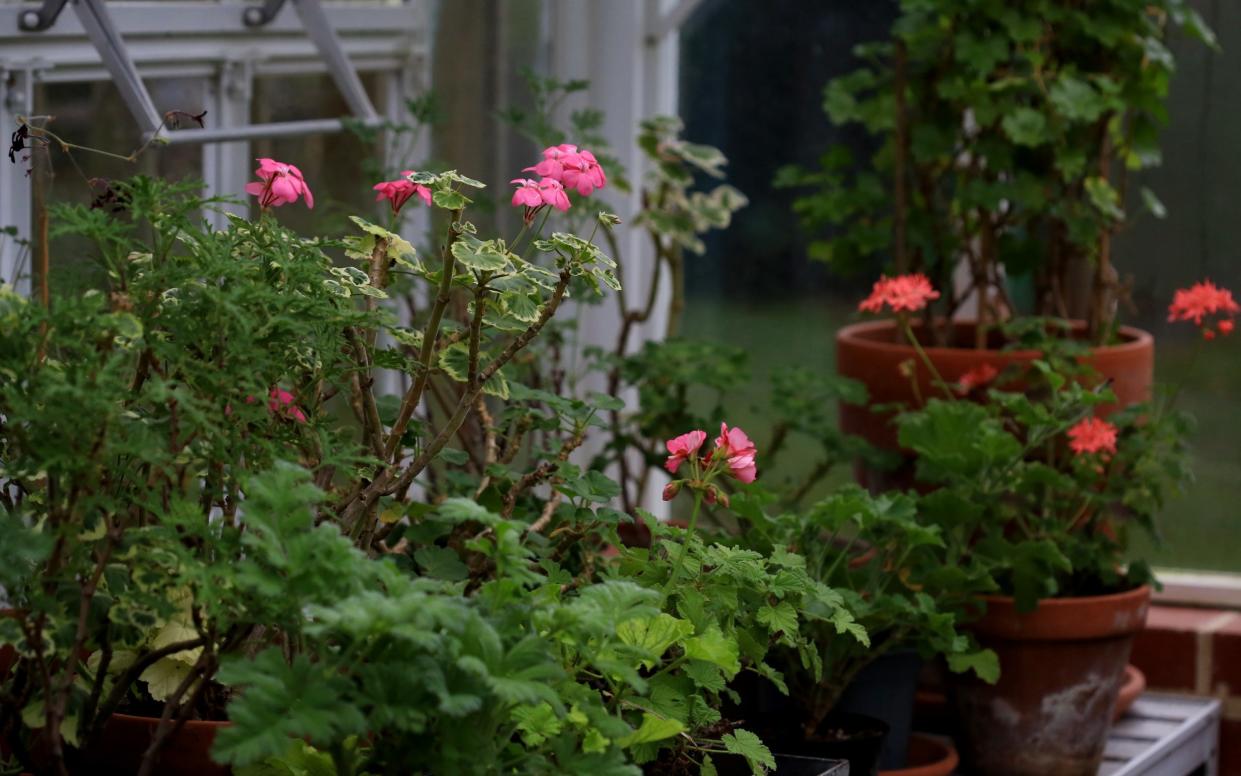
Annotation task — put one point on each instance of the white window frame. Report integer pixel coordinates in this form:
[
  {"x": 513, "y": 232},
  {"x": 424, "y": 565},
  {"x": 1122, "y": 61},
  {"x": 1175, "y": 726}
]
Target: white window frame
[{"x": 205, "y": 39}]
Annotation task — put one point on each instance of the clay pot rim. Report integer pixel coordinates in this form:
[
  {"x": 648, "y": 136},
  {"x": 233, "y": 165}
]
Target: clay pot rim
[
  {"x": 864, "y": 334},
  {"x": 1141, "y": 591},
  {"x": 1070, "y": 618},
  {"x": 945, "y": 762},
  {"x": 141, "y": 719}
]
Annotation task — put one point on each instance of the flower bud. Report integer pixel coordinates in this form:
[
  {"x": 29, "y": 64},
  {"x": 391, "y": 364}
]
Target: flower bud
[{"x": 671, "y": 490}]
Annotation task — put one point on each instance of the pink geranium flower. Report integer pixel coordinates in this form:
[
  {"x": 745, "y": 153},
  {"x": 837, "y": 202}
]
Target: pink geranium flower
[
  {"x": 535, "y": 195},
  {"x": 582, "y": 172},
  {"x": 552, "y": 192},
  {"x": 683, "y": 448},
  {"x": 554, "y": 159},
  {"x": 1092, "y": 435},
  {"x": 527, "y": 194},
  {"x": 902, "y": 293},
  {"x": 279, "y": 184},
  {"x": 736, "y": 447},
  {"x": 399, "y": 191},
  {"x": 281, "y": 402}
]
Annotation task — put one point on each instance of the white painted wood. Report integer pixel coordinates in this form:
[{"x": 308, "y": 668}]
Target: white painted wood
[
  {"x": 1178, "y": 735},
  {"x": 632, "y": 77},
  {"x": 1199, "y": 588}
]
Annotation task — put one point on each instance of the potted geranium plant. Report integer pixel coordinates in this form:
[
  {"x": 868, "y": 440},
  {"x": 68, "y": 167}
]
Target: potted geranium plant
[
  {"x": 1035, "y": 489},
  {"x": 1007, "y": 136},
  {"x": 894, "y": 572}
]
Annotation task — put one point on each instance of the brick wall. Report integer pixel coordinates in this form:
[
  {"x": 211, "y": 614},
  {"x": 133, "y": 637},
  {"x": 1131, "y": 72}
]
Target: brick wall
[{"x": 1197, "y": 651}]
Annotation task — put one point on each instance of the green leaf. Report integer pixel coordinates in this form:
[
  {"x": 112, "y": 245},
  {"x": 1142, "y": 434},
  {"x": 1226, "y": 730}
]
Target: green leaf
[
  {"x": 654, "y": 635},
  {"x": 480, "y": 256},
  {"x": 1025, "y": 126},
  {"x": 441, "y": 563},
  {"x": 781, "y": 618},
  {"x": 984, "y": 663},
  {"x": 714, "y": 647},
  {"x": 1076, "y": 99},
  {"x": 1105, "y": 198},
  {"x": 537, "y": 723},
  {"x": 751, "y": 747},
  {"x": 449, "y": 199},
  {"x": 653, "y": 728}
]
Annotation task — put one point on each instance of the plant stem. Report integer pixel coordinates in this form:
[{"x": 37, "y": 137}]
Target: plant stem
[
  {"x": 689, "y": 532},
  {"x": 939, "y": 381},
  {"x": 429, "y": 336}
]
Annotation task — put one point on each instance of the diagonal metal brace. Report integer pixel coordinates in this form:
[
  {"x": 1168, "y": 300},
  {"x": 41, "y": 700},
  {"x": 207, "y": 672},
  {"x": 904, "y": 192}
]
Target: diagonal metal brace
[
  {"x": 97, "y": 23},
  {"x": 315, "y": 20}
]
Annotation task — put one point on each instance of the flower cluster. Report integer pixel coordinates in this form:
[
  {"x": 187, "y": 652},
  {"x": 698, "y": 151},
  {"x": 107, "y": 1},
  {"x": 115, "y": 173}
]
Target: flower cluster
[
  {"x": 279, "y": 184},
  {"x": 1093, "y": 435},
  {"x": 574, "y": 169},
  {"x": 563, "y": 167},
  {"x": 1205, "y": 301},
  {"x": 399, "y": 191},
  {"x": 734, "y": 455},
  {"x": 903, "y": 293}
]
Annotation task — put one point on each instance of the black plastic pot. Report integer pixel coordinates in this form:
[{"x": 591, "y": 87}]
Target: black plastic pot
[
  {"x": 776, "y": 719},
  {"x": 786, "y": 765},
  {"x": 885, "y": 690}
]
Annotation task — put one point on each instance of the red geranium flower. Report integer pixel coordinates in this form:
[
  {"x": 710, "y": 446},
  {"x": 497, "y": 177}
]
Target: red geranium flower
[
  {"x": 1092, "y": 435},
  {"x": 1202, "y": 301},
  {"x": 977, "y": 377},
  {"x": 901, "y": 293}
]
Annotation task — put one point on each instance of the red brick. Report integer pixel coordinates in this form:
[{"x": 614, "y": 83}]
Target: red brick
[
  {"x": 1167, "y": 651},
  {"x": 1230, "y": 747},
  {"x": 1226, "y": 659}
]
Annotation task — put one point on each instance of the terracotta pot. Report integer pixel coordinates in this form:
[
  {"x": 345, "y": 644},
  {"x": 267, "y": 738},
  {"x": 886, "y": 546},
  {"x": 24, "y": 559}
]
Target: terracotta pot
[
  {"x": 1061, "y": 669},
  {"x": 928, "y": 756},
  {"x": 126, "y": 737},
  {"x": 1133, "y": 686},
  {"x": 872, "y": 352}
]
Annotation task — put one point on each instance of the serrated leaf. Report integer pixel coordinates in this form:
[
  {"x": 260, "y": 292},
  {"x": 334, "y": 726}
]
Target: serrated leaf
[
  {"x": 781, "y": 618},
  {"x": 714, "y": 647},
  {"x": 652, "y": 729},
  {"x": 751, "y": 747},
  {"x": 441, "y": 563}
]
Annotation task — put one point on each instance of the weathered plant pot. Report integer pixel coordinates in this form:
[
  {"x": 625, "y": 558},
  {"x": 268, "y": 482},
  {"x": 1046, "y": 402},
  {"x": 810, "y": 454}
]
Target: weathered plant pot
[
  {"x": 927, "y": 756},
  {"x": 125, "y": 739},
  {"x": 872, "y": 353},
  {"x": 885, "y": 690},
  {"x": 1061, "y": 669}
]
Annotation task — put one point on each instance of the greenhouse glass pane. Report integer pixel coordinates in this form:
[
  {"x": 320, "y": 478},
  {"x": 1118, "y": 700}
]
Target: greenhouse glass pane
[{"x": 92, "y": 114}]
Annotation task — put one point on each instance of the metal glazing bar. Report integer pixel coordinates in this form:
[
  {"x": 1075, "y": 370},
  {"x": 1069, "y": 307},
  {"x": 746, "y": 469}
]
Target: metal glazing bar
[{"x": 252, "y": 131}]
